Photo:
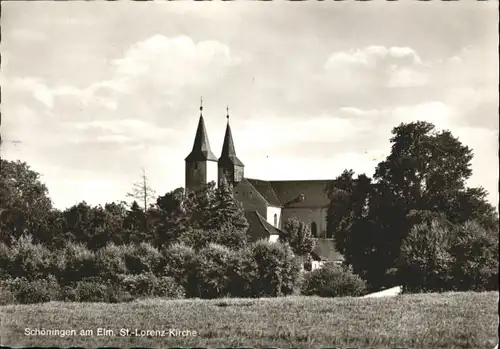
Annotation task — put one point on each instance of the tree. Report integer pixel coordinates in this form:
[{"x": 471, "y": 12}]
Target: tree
[
  {"x": 227, "y": 223},
  {"x": 92, "y": 226},
  {"x": 348, "y": 203},
  {"x": 24, "y": 201},
  {"x": 134, "y": 224},
  {"x": 425, "y": 262},
  {"x": 171, "y": 217},
  {"x": 426, "y": 171},
  {"x": 298, "y": 236},
  {"x": 198, "y": 218},
  {"x": 143, "y": 192},
  {"x": 475, "y": 250}
]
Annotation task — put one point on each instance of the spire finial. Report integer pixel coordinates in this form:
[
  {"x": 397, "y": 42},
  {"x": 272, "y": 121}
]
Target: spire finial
[
  {"x": 227, "y": 113},
  {"x": 201, "y": 104}
]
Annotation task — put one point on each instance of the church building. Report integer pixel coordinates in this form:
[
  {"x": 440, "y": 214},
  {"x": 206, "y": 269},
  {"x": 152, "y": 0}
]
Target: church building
[{"x": 267, "y": 204}]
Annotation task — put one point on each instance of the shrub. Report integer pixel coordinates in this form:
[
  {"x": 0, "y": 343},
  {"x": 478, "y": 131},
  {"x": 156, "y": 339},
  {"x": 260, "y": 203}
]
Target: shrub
[
  {"x": 438, "y": 257},
  {"x": 425, "y": 262},
  {"x": 93, "y": 291},
  {"x": 475, "y": 251},
  {"x": 5, "y": 261},
  {"x": 167, "y": 287},
  {"x": 75, "y": 263},
  {"x": 180, "y": 264},
  {"x": 6, "y": 295},
  {"x": 277, "y": 270},
  {"x": 212, "y": 271},
  {"x": 333, "y": 281},
  {"x": 140, "y": 285},
  {"x": 33, "y": 291},
  {"x": 111, "y": 261},
  {"x": 143, "y": 258},
  {"x": 241, "y": 273},
  {"x": 26, "y": 259}
]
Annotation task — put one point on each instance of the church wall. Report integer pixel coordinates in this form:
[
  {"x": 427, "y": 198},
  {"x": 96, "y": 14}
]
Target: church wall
[
  {"x": 199, "y": 173},
  {"x": 271, "y": 211},
  {"x": 195, "y": 174},
  {"x": 273, "y": 238},
  {"x": 308, "y": 215}
]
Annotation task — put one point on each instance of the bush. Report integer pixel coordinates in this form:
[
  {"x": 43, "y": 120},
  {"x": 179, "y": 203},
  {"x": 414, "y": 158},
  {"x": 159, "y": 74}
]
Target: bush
[
  {"x": 5, "y": 261},
  {"x": 475, "y": 251},
  {"x": 111, "y": 261},
  {"x": 241, "y": 273},
  {"x": 26, "y": 259},
  {"x": 425, "y": 262},
  {"x": 93, "y": 291},
  {"x": 6, "y": 295},
  {"x": 437, "y": 257},
  {"x": 148, "y": 285},
  {"x": 140, "y": 285},
  {"x": 333, "y": 281},
  {"x": 167, "y": 287},
  {"x": 76, "y": 262},
  {"x": 33, "y": 291},
  {"x": 212, "y": 271},
  {"x": 180, "y": 264},
  {"x": 143, "y": 258},
  {"x": 277, "y": 270}
]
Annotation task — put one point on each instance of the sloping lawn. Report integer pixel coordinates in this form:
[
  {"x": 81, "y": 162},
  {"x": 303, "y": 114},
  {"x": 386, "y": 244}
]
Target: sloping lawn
[{"x": 451, "y": 320}]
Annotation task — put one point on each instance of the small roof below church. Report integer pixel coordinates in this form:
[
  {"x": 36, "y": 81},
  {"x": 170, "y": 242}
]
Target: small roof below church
[
  {"x": 258, "y": 227},
  {"x": 201, "y": 147}
]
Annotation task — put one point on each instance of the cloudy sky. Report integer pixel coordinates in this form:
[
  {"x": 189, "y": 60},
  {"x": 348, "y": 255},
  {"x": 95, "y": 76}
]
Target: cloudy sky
[{"x": 95, "y": 91}]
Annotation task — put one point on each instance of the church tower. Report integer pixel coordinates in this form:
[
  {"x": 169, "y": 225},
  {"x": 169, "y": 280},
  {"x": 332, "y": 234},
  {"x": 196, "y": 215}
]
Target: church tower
[
  {"x": 201, "y": 163},
  {"x": 229, "y": 165}
]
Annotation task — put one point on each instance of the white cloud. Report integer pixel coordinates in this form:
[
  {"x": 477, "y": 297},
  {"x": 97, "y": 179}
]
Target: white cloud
[
  {"x": 392, "y": 67},
  {"x": 353, "y": 111},
  {"x": 371, "y": 56},
  {"x": 405, "y": 53},
  {"x": 406, "y": 77},
  {"x": 175, "y": 62}
]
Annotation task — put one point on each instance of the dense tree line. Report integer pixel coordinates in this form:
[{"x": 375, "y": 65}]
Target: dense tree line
[
  {"x": 414, "y": 223},
  {"x": 187, "y": 244}
]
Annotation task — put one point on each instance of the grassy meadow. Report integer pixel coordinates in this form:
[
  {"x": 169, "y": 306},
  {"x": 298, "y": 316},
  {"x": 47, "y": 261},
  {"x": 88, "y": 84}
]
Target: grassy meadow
[{"x": 450, "y": 320}]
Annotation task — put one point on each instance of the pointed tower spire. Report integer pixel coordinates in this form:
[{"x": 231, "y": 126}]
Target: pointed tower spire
[
  {"x": 228, "y": 150},
  {"x": 201, "y": 147},
  {"x": 230, "y": 167}
]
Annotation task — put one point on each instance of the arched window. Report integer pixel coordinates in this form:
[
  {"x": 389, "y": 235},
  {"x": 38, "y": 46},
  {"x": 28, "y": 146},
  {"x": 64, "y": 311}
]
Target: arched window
[
  {"x": 314, "y": 229},
  {"x": 275, "y": 220}
]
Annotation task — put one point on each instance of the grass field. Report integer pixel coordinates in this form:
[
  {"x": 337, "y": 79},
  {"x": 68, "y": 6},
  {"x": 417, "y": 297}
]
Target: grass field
[{"x": 452, "y": 320}]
